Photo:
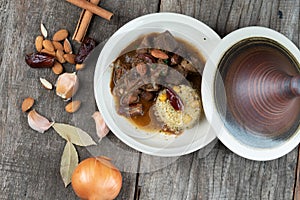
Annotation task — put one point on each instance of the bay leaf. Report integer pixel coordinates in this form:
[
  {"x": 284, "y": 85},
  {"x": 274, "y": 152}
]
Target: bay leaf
[
  {"x": 68, "y": 163},
  {"x": 73, "y": 134}
]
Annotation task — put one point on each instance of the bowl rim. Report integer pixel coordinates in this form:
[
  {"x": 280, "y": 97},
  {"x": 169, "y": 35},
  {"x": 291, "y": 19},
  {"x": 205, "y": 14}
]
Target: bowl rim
[
  {"x": 209, "y": 105},
  {"x": 155, "y": 17}
]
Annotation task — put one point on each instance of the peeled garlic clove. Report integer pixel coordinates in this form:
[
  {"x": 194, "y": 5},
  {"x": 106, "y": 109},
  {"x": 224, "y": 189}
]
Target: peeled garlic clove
[
  {"x": 37, "y": 122},
  {"x": 101, "y": 127},
  {"x": 67, "y": 85}
]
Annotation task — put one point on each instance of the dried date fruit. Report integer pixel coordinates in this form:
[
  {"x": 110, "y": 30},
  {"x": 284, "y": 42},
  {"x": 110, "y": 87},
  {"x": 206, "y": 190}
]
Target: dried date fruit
[
  {"x": 86, "y": 47},
  {"x": 174, "y": 99},
  {"x": 39, "y": 60}
]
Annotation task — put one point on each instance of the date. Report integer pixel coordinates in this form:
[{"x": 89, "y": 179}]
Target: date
[
  {"x": 174, "y": 99},
  {"x": 85, "y": 49},
  {"x": 39, "y": 60}
]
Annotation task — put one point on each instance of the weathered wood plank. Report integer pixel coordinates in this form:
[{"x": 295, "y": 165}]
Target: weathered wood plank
[
  {"x": 29, "y": 161},
  {"x": 222, "y": 174}
]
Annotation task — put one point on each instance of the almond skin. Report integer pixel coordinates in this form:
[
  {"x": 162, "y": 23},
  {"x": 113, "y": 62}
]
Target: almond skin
[
  {"x": 47, "y": 44},
  {"x": 52, "y": 53},
  {"x": 60, "y": 35},
  {"x": 57, "y": 68},
  {"x": 73, "y": 106},
  {"x": 60, "y": 56},
  {"x": 67, "y": 46},
  {"x": 79, "y": 67},
  {"x": 27, "y": 104},
  {"x": 39, "y": 43},
  {"x": 159, "y": 54},
  {"x": 57, "y": 45},
  {"x": 70, "y": 58}
]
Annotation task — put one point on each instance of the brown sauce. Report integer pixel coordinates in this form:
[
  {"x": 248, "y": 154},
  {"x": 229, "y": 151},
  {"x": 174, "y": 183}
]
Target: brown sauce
[{"x": 148, "y": 121}]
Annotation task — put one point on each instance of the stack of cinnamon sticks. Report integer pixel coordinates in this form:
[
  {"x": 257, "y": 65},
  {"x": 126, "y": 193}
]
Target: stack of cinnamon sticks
[{"x": 89, "y": 7}]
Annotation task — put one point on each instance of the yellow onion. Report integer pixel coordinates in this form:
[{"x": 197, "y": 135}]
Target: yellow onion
[{"x": 96, "y": 179}]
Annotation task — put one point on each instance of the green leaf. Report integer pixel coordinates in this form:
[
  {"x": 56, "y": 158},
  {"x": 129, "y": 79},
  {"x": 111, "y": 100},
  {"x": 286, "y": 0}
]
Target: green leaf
[
  {"x": 73, "y": 134},
  {"x": 68, "y": 163}
]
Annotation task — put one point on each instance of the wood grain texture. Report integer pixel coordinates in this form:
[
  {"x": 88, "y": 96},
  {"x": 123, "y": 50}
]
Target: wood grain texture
[
  {"x": 29, "y": 161},
  {"x": 222, "y": 174}
]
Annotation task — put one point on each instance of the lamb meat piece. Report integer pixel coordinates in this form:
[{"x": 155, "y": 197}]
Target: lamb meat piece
[
  {"x": 147, "y": 96},
  {"x": 146, "y": 43},
  {"x": 132, "y": 110},
  {"x": 130, "y": 98},
  {"x": 186, "y": 65},
  {"x": 166, "y": 41},
  {"x": 118, "y": 73},
  {"x": 147, "y": 58},
  {"x": 175, "y": 59},
  {"x": 181, "y": 70},
  {"x": 174, "y": 77}
]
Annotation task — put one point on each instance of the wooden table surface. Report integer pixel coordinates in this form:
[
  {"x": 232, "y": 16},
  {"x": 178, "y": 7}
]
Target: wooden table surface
[{"x": 30, "y": 161}]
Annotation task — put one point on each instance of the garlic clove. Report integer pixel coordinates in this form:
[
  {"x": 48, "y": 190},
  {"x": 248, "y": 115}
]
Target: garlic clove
[
  {"x": 101, "y": 127},
  {"x": 67, "y": 85},
  {"x": 37, "y": 122}
]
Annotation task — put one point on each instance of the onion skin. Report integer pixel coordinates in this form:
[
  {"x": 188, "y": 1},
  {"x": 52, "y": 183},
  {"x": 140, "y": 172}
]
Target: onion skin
[{"x": 96, "y": 179}]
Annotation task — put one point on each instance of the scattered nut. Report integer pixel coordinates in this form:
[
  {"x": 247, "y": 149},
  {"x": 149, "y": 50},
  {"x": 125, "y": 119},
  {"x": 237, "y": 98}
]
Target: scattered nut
[
  {"x": 67, "y": 85},
  {"x": 70, "y": 58},
  {"x": 44, "y": 31},
  {"x": 79, "y": 67},
  {"x": 57, "y": 45},
  {"x": 67, "y": 46},
  {"x": 60, "y": 56},
  {"x": 60, "y": 35},
  {"x": 47, "y": 44},
  {"x": 73, "y": 106},
  {"x": 46, "y": 84},
  {"x": 27, "y": 104},
  {"x": 52, "y": 53},
  {"x": 39, "y": 43},
  {"x": 159, "y": 54},
  {"x": 57, "y": 68}
]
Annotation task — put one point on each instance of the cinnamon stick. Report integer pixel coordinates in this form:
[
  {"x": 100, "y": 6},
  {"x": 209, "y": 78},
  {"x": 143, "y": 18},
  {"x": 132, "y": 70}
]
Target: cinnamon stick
[
  {"x": 83, "y": 23},
  {"x": 92, "y": 8}
]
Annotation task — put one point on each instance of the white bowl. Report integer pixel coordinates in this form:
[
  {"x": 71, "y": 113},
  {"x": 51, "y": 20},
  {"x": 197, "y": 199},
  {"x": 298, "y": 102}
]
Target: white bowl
[
  {"x": 209, "y": 104},
  {"x": 181, "y": 26}
]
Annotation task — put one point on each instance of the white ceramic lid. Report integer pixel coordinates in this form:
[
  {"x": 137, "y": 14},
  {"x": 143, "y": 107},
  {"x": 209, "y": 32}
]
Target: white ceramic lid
[{"x": 210, "y": 109}]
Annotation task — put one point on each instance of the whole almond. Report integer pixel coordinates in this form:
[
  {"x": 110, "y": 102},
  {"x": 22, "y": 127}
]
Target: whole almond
[
  {"x": 47, "y": 44},
  {"x": 57, "y": 68},
  {"x": 159, "y": 54},
  {"x": 79, "y": 66},
  {"x": 67, "y": 46},
  {"x": 60, "y": 56},
  {"x": 57, "y": 45},
  {"x": 39, "y": 43},
  {"x": 60, "y": 35},
  {"x": 70, "y": 58},
  {"x": 73, "y": 106},
  {"x": 52, "y": 53},
  {"x": 27, "y": 104}
]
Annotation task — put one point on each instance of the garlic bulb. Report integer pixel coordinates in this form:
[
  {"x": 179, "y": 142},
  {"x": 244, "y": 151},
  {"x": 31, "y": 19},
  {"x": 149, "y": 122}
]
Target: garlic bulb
[{"x": 67, "y": 85}]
